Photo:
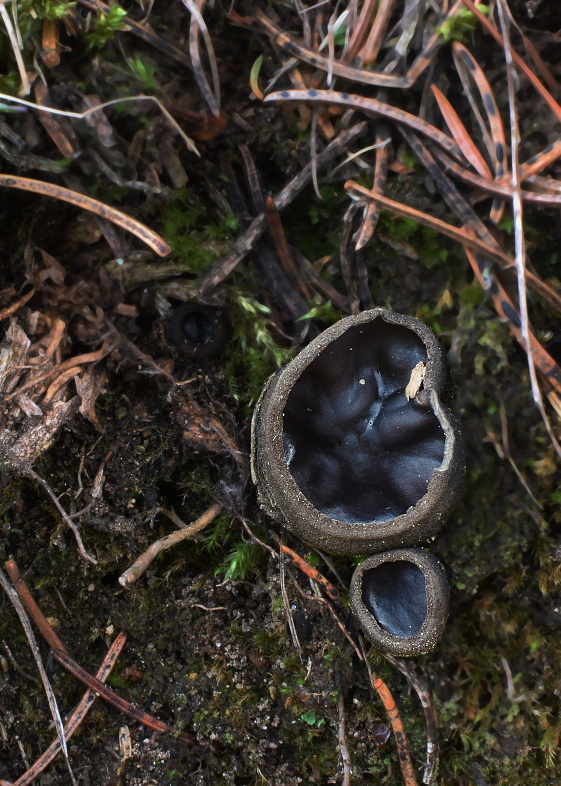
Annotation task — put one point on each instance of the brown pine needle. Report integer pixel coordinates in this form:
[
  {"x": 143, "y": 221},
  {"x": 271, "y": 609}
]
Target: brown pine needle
[
  {"x": 26, "y": 624},
  {"x": 372, "y": 107},
  {"x": 460, "y": 134},
  {"x": 519, "y": 237},
  {"x": 360, "y": 30},
  {"x": 245, "y": 242},
  {"x": 154, "y": 241},
  {"x": 61, "y": 655},
  {"x": 430, "y": 221},
  {"x": 313, "y": 58},
  {"x": 197, "y": 26},
  {"x": 394, "y": 718},
  {"x": 500, "y": 187},
  {"x": 77, "y": 716},
  {"x": 372, "y": 212},
  {"x": 506, "y": 309},
  {"x": 369, "y": 51},
  {"x": 543, "y": 91}
]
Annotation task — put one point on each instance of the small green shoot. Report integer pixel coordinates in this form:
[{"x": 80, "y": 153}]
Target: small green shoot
[
  {"x": 322, "y": 311},
  {"x": 310, "y": 717},
  {"x": 240, "y": 563},
  {"x": 44, "y": 9},
  {"x": 254, "y": 77},
  {"x": 457, "y": 27},
  {"x": 144, "y": 71},
  {"x": 105, "y": 27},
  {"x": 256, "y": 355}
]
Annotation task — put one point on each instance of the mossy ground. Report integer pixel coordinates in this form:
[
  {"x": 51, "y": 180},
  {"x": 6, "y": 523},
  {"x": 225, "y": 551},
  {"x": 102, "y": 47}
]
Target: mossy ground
[{"x": 208, "y": 647}]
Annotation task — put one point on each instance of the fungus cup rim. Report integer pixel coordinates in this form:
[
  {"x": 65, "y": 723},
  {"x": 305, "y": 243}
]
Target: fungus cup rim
[
  {"x": 281, "y": 497},
  {"x": 437, "y": 595}
]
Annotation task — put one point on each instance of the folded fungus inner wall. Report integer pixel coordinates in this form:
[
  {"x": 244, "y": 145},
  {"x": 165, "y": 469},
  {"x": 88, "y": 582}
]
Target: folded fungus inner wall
[{"x": 359, "y": 450}]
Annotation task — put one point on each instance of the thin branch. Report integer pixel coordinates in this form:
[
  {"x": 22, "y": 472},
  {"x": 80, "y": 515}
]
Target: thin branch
[
  {"x": 77, "y": 716},
  {"x": 61, "y": 655},
  {"x": 24, "y": 467}
]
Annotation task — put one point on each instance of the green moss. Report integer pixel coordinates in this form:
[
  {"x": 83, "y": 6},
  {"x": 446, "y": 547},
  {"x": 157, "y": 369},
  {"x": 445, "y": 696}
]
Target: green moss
[
  {"x": 241, "y": 563},
  {"x": 105, "y": 27}
]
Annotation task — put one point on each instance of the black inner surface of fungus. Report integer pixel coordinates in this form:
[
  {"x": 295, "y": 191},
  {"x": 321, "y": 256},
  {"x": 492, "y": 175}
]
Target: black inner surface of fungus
[
  {"x": 197, "y": 328},
  {"x": 199, "y": 331},
  {"x": 357, "y": 448},
  {"x": 395, "y": 594}
]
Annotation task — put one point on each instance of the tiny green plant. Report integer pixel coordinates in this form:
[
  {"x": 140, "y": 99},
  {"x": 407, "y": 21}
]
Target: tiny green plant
[
  {"x": 44, "y": 9},
  {"x": 105, "y": 27},
  {"x": 457, "y": 27},
  {"x": 323, "y": 311},
  {"x": 143, "y": 70},
  {"x": 310, "y": 717},
  {"x": 240, "y": 563},
  {"x": 258, "y": 354}
]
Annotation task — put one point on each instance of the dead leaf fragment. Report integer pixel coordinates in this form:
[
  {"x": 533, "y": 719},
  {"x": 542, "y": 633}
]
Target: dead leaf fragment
[{"x": 415, "y": 381}]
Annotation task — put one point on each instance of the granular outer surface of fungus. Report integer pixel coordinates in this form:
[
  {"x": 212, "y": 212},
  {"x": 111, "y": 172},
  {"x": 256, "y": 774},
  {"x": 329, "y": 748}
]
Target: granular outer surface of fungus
[{"x": 352, "y": 447}]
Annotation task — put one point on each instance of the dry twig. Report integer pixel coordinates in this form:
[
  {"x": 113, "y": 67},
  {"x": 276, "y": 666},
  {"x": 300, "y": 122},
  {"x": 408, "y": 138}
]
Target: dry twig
[
  {"x": 244, "y": 244},
  {"x": 139, "y": 566},
  {"x": 342, "y": 736},
  {"x": 77, "y": 715}
]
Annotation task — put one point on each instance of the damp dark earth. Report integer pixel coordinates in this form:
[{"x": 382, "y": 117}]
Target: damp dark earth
[{"x": 190, "y": 194}]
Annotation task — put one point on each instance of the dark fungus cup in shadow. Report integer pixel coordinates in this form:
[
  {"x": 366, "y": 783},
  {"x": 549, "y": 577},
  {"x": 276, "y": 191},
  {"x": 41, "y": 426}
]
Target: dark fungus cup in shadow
[
  {"x": 401, "y": 600},
  {"x": 352, "y": 447},
  {"x": 199, "y": 331}
]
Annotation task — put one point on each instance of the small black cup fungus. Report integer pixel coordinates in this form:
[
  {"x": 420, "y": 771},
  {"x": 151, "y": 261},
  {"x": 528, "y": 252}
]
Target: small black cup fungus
[
  {"x": 199, "y": 331},
  {"x": 401, "y": 599},
  {"x": 352, "y": 448}
]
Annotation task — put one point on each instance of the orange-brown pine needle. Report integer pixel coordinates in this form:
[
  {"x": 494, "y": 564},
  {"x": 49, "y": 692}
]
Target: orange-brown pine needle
[
  {"x": 397, "y": 727},
  {"x": 154, "y": 241}
]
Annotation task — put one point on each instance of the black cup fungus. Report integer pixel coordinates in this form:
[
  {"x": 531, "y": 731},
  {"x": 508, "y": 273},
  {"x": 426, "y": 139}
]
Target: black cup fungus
[
  {"x": 199, "y": 331},
  {"x": 352, "y": 447},
  {"x": 401, "y": 598}
]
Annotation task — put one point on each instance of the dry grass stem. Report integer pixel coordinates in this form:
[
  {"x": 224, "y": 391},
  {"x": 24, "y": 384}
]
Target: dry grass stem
[
  {"x": 34, "y": 647},
  {"x": 16, "y": 45},
  {"x": 89, "y": 112}
]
